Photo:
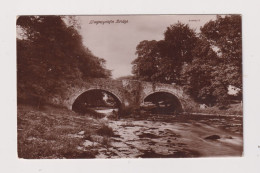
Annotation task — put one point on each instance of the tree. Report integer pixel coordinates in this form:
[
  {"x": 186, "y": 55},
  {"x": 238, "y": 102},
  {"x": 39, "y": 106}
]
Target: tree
[
  {"x": 197, "y": 76},
  {"x": 50, "y": 56},
  {"x": 145, "y": 66},
  {"x": 217, "y": 61},
  {"x": 180, "y": 40},
  {"x": 225, "y": 33},
  {"x": 162, "y": 61}
]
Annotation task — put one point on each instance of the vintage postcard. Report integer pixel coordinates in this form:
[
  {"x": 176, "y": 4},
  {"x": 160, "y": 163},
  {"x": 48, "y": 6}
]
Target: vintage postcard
[{"x": 129, "y": 86}]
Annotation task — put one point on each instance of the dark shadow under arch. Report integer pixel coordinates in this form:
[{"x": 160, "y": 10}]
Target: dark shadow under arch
[
  {"x": 92, "y": 96},
  {"x": 163, "y": 102}
]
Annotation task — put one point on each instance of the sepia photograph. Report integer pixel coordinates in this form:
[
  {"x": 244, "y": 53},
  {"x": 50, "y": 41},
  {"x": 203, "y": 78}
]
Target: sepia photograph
[{"x": 129, "y": 86}]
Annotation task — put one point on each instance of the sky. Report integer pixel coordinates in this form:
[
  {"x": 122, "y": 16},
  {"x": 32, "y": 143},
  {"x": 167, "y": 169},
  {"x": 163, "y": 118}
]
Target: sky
[{"x": 114, "y": 38}]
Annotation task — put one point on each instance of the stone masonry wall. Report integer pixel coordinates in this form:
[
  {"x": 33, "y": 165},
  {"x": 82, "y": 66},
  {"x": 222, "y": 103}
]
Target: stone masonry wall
[{"x": 129, "y": 92}]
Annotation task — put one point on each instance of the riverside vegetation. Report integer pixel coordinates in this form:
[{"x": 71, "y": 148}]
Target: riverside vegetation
[{"x": 54, "y": 132}]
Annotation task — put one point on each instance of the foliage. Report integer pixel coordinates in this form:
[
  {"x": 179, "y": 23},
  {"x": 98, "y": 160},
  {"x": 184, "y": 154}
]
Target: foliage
[
  {"x": 50, "y": 55},
  {"x": 226, "y": 34},
  {"x": 197, "y": 75},
  {"x": 217, "y": 61},
  {"x": 162, "y": 61},
  {"x": 145, "y": 65}
]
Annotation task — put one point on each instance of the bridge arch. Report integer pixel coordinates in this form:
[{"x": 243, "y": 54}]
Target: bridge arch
[
  {"x": 179, "y": 105},
  {"x": 116, "y": 98}
]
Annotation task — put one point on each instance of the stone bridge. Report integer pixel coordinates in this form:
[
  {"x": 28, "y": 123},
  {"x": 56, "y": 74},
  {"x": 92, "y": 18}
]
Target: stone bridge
[{"x": 129, "y": 92}]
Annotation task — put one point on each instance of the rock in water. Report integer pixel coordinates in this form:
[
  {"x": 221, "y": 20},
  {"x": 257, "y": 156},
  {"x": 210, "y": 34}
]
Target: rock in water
[
  {"x": 81, "y": 133},
  {"x": 213, "y": 137}
]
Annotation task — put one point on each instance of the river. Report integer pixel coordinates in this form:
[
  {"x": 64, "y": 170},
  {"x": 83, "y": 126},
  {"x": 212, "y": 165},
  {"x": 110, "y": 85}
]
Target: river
[{"x": 168, "y": 136}]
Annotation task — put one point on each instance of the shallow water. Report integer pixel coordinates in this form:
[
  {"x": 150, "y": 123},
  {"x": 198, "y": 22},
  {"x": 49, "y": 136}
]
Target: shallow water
[
  {"x": 175, "y": 136},
  {"x": 105, "y": 111}
]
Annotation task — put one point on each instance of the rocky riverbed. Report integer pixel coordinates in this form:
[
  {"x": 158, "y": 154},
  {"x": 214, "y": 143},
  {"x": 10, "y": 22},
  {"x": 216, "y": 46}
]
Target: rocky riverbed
[
  {"x": 167, "y": 136},
  {"x": 59, "y": 133}
]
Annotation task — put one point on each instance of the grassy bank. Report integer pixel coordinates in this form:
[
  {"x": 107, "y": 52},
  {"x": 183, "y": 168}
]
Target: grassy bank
[
  {"x": 232, "y": 109},
  {"x": 52, "y": 132}
]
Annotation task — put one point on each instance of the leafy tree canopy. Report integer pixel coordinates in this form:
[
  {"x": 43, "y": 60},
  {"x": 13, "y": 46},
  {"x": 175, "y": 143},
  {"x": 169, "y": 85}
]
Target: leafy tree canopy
[
  {"x": 162, "y": 61},
  {"x": 50, "y": 55},
  {"x": 225, "y": 33},
  {"x": 217, "y": 61}
]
